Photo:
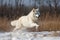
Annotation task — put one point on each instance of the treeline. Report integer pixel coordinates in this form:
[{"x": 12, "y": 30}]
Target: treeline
[{"x": 8, "y": 10}]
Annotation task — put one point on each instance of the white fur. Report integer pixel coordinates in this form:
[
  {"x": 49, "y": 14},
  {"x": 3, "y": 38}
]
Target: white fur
[{"x": 25, "y": 22}]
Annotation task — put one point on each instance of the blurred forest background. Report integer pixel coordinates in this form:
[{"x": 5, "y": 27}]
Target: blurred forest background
[{"x": 13, "y": 9}]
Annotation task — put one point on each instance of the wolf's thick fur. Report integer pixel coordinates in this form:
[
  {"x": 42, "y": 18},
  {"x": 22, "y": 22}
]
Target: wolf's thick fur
[{"x": 25, "y": 22}]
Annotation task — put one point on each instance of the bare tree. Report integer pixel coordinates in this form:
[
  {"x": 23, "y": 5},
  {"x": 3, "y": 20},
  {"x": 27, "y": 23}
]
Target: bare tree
[
  {"x": 20, "y": 2},
  {"x": 38, "y": 2},
  {"x": 30, "y": 1},
  {"x": 34, "y": 3},
  {"x": 9, "y": 3},
  {"x": 50, "y": 6},
  {"x": 1, "y": 2},
  {"x": 16, "y": 3},
  {"x": 55, "y": 3}
]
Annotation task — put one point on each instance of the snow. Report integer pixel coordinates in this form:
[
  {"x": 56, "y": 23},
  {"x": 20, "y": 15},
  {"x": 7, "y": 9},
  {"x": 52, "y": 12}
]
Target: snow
[{"x": 45, "y": 35}]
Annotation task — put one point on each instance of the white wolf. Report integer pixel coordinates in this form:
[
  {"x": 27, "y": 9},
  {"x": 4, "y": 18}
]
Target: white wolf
[{"x": 28, "y": 21}]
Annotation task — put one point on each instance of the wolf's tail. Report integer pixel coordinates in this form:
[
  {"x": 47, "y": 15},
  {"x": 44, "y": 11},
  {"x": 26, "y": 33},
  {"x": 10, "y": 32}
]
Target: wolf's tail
[{"x": 13, "y": 23}]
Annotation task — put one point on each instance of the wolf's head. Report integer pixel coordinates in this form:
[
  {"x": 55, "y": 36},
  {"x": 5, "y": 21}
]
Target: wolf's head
[{"x": 36, "y": 13}]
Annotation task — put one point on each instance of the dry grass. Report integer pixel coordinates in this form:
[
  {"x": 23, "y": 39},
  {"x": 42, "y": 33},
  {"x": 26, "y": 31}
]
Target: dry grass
[
  {"x": 47, "y": 23},
  {"x": 50, "y": 23},
  {"x": 49, "y": 26},
  {"x": 5, "y": 24}
]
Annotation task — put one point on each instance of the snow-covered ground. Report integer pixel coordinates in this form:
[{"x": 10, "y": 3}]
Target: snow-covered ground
[{"x": 30, "y": 35}]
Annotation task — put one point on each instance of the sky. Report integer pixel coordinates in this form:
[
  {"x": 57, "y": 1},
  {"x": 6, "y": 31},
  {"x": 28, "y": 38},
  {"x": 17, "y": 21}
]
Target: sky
[{"x": 26, "y": 2}]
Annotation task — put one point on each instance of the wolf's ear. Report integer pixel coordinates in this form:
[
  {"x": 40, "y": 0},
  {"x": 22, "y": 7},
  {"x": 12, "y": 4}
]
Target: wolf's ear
[
  {"x": 33, "y": 9},
  {"x": 37, "y": 8}
]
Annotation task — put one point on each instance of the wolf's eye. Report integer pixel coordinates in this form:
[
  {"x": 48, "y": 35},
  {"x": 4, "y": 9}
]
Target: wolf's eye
[{"x": 33, "y": 10}]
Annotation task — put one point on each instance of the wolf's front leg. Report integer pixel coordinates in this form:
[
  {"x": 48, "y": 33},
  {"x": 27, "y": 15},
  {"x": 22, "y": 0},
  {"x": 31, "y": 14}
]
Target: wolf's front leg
[{"x": 35, "y": 25}]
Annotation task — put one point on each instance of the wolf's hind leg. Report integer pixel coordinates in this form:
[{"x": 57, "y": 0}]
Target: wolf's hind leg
[{"x": 16, "y": 28}]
